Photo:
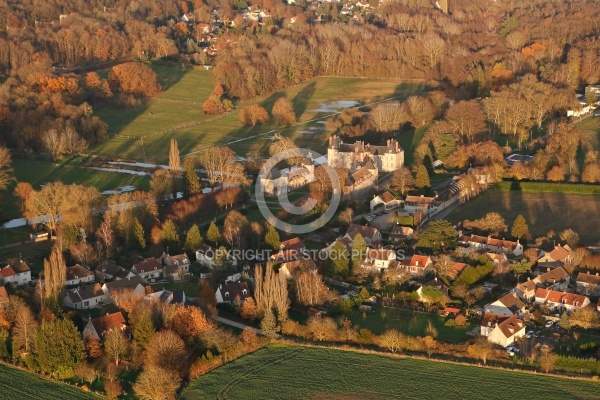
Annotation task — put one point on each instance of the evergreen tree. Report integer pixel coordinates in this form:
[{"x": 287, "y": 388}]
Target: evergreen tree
[
  {"x": 143, "y": 328},
  {"x": 137, "y": 234},
  {"x": 439, "y": 235},
  {"x": 170, "y": 237},
  {"x": 4, "y": 344},
  {"x": 338, "y": 260},
  {"x": 59, "y": 348},
  {"x": 213, "y": 235},
  {"x": 192, "y": 184},
  {"x": 174, "y": 159},
  {"x": 519, "y": 227},
  {"x": 359, "y": 249},
  {"x": 269, "y": 324},
  {"x": 272, "y": 238},
  {"x": 193, "y": 239},
  {"x": 422, "y": 178}
]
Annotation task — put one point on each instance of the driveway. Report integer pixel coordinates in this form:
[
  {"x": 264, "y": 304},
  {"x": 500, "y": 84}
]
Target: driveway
[{"x": 384, "y": 222}]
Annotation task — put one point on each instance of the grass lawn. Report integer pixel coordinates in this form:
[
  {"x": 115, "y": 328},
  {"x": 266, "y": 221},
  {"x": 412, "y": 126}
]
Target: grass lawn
[
  {"x": 176, "y": 113},
  {"x": 38, "y": 172},
  {"x": 409, "y": 140},
  {"x": 32, "y": 254},
  {"x": 409, "y": 323},
  {"x": 288, "y": 372},
  {"x": 191, "y": 289},
  {"x": 17, "y": 384},
  {"x": 543, "y": 211},
  {"x": 590, "y": 132}
]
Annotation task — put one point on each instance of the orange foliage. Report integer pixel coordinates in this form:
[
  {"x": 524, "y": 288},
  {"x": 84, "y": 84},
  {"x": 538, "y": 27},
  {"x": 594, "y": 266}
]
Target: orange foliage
[{"x": 189, "y": 323}]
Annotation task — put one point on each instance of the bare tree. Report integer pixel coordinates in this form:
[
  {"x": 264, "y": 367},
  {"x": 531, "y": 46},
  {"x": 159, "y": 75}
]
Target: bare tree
[
  {"x": 115, "y": 345},
  {"x": 61, "y": 143},
  {"x": 24, "y": 328},
  {"x": 310, "y": 289},
  {"x": 55, "y": 274},
  {"x": 166, "y": 351},
  {"x": 156, "y": 383},
  {"x": 174, "y": 159},
  {"x": 388, "y": 116}
]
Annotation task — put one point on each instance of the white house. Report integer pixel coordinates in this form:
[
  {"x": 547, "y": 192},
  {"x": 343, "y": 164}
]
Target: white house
[
  {"x": 371, "y": 235},
  {"x": 175, "y": 266},
  {"x": 387, "y": 158},
  {"x": 490, "y": 321},
  {"x": 77, "y": 275},
  {"x": 525, "y": 290},
  {"x": 288, "y": 269},
  {"x": 400, "y": 233},
  {"x": 560, "y": 301},
  {"x": 588, "y": 284},
  {"x": 421, "y": 203},
  {"x": 149, "y": 269},
  {"x": 508, "y": 305},
  {"x": 233, "y": 293},
  {"x": 17, "y": 274},
  {"x": 417, "y": 264},
  {"x": 555, "y": 279},
  {"x": 85, "y": 297},
  {"x": 491, "y": 244},
  {"x": 386, "y": 199},
  {"x": 279, "y": 182},
  {"x": 98, "y": 327},
  {"x": 379, "y": 259},
  {"x": 176, "y": 296},
  {"x": 107, "y": 270},
  {"x": 563, "y": 254},
  {"x": 507, "y": 331},
  {"x": 114, "y": 289},
  {"x": 205, "y": 256}
]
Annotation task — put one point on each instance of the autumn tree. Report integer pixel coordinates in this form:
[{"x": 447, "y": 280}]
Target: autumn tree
[
  {"x": 402, "y": 180},
  {"x": 189, "y": 323},
  {"x": 93, "y": 347},
  {"x": 492, "y": 222},
  {"x": 24, "y": 328},
  {"x": 55, "y": 274},
  {"x": 235, "y": 229},
  {"x": 174, "y": 158},
  {"x": 547, "y": 358},
  {"x": 220, "y": 165},
  {"x": 170, "y": 236},
  {"x": 115, "y": 345},
  {"x": 388, "y": 116},
  {"x": 248, "y": 310},
  {"x": 134, "y": 78},
  {"x": 192, "y": 183},
  {"x": 166, "y": 351},
  {"x": 480, "y": 348},
  {"x": 283, "y": 112},
  {"x": 591, "y": 173},
  {"x": 585, "y": 318},
  {"x": 271, "y": 292},
  {"x": 161, "y": 184},
  {"x": 157, "y": 383},
  {"x": 310, "y": 289},
  {"x": 570, "y": 236},
  {"x": 97, "y": 86},
  {"x": 22, "y": 192},
  {"x": 519, "y": 228},
  {"x": 213, "y": 235},
  {"x": 253, "y": 115},
  {"x": 556, "y": 174},
  {"x": 268, "y": 325},
  {"x": 59, "y": 143},
  {"x": 520, "y": 267},
  {"x": 137, "y": 234},
  {"x": 286, "y": 146},
  {"x": 5, "y": 168},
  {"x": 272, "y": 238},
  {"x": 321, "y": 328},
  {"x": 391, "y": 339},
  {"x": 466, "y": 119}
]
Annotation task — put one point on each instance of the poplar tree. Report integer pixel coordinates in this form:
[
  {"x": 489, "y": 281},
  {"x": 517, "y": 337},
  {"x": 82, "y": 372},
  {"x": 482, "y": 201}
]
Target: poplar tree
[
  {"x": 193, "y": 239},
  {"x": 174, "y": 159},
  {"x": 213, "y": 235}
]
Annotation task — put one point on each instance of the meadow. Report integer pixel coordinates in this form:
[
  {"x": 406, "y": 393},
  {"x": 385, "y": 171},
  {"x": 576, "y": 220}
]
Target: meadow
[
  {"x": 17, "y": 384},
  {"x": 288, "y": 372},
  {"x": 543, "y": 211},
  {"x": 144, "y": 133}
]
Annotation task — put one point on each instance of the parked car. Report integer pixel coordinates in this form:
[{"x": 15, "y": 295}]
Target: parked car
[
  {"x": 538, "y": 334},
  {"x": 549, "y": 324},
  {"x": 529, "y": 334}
]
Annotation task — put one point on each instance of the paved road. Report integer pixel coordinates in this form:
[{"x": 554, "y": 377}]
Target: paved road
[{"x": 237, "y": 325}]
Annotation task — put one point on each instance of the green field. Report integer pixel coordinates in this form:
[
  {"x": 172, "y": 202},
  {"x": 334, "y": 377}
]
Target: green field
[
  {"x": 409, "y": 323},
  {"x": 38, "y": 172},
  {"x": 176, "y": 113},
  {"x": 286, "y": 372},
  {"x": 543, "y": 211},
  {"x": 17, "y": 384},
  {"x": 590, "y": 132}
]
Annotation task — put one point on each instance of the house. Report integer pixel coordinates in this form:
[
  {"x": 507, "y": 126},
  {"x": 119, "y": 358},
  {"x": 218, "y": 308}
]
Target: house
[
  {"x": 176, "y": 296},
  {"x": 588, "y": 284},
  {"x": 290, "y": 250},
  {"x": 387, "y": 158},
  {"x": 205, "y": 256},
  {"x": 400, "y": 233},
  {"x": 555, "y": 279},
  {"x": 288, "y": 269},
  {"x": 85, "y": 297},
  {"x": 175, "y": 266},
  {"x": 491, "y": 244},
  {"x": 107, "y": 270},
  {"x": 563, "y": 254},
  {"x": 149, "y": 269},
  {"x": 234, "y": 293},
  {"x": 525, "y": 290},
  {"x": 17, "y": 273},
  {"x": 417, "y": 264},
  {"x": 560, "y": 301},
  {"x": 490, "y": 321},
  {"x": 278, "y": 182},
  {"x": 507, "y": 331},
  {"x": 435, "y": 283},
  {"x": 508, "y": 305},
  {"x": 98, "y": 327},
  {"x": 114, "y": 289},
  {"x": 497, "y": 259},
  {"x": 379, "y": 259},
  {"x": 362, "y": 177},
  {"x": 386, "y": 199},
  {"x": 371, "y": 235},
  {"x": 413, "y": 204},
  {"x": 77, "y": 275}
]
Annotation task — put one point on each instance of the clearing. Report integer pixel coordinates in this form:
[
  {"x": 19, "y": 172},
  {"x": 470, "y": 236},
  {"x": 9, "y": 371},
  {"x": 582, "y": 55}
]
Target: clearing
[
  {"x": 17, "y": 384},
  {"x": 289, "y": 372},
  {"x": 543, "y": 211},
  {"x": 176, "y": 113},
  {"x": 590, "y": 132}
]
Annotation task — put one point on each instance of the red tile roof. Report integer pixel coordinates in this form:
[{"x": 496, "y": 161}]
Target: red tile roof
[
  {"x": 554, "y": 296},
  {"x": 8, "y": 271},
  {"x": 108, "y": 322},
  {"x": 511, "y": 325},
  {"x": 3, "y": 294},
  {"x": 149, "y": 264}
]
